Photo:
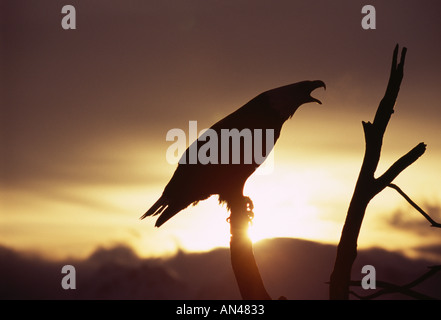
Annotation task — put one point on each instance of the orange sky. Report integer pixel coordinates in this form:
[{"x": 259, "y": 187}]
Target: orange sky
[{"x": 85, "y": 113}]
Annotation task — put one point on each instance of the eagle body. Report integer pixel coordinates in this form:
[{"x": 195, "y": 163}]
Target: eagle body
[{"x": 194, "y": 181}]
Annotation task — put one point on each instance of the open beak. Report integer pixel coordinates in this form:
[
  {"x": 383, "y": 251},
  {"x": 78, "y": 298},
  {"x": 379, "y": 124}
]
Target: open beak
[{"x": 315, "y": 85}]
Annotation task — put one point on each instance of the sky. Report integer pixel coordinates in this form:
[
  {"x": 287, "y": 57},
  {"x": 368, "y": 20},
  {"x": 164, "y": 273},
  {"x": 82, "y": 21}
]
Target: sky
[{"x": 85, "y": 113}]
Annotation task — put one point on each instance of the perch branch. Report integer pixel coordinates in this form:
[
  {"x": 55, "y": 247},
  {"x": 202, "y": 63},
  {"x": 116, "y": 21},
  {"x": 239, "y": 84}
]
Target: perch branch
[{"x": 242, "y": 258}]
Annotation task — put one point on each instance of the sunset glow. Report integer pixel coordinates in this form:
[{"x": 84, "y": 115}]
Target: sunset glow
[{"x": 87, "y": 111}]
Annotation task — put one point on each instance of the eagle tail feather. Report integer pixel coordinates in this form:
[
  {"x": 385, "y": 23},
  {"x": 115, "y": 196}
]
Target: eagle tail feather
[
  {"x": 168, "y": 213},
  {"x": 157, "y": 208}
]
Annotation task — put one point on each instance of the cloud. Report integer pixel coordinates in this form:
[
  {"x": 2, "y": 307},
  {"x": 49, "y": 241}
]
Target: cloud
[
  {"x": 412, "y": 221},
  {"x": 294, "y": 268},
  {"x": 405, "y": 221}
]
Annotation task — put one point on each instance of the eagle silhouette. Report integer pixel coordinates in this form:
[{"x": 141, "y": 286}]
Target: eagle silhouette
[{"x": 194, "y": 181}]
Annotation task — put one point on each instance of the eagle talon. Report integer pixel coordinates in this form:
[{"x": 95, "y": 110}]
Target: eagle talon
[
  {"x": 250, "y": 206},
  {"x": 249, "y": 203},
  {"x": 250, "y": 217}
]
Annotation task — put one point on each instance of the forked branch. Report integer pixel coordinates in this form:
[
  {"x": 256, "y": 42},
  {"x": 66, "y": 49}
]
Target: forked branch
[{"x": 368, "y": 186}]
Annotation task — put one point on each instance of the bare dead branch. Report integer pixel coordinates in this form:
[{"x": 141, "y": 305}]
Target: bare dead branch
[
  {"x": 367, "y": 187},
  {"x": 400, "y": 165},
  {"x": 388, "y": 288},
  {"x": 386, "y": 107},
  {"x": 413, "y": 204}
]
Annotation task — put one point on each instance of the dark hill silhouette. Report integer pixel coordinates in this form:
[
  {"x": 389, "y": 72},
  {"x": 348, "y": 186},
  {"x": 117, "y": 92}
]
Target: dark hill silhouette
[{"x": 297, "y": 269}]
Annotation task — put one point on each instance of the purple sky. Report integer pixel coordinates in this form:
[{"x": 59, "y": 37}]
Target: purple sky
[{"x": 89, "y": 108}]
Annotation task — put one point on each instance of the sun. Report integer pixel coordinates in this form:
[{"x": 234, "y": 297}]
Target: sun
[
  {"x": 285, "y": 205},
  {"x": 297, "y": 221}
]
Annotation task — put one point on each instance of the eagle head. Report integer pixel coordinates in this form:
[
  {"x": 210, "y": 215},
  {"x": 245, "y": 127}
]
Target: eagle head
[{"x": 286, "y": 100}]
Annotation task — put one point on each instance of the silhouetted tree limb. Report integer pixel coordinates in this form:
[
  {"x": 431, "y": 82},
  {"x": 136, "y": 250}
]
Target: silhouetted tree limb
[
  {"x": 388, "y": 288},
  {"x": 400, "y": 165},
  {"x": 368, "y": 186},
  {"x": 413, "y": 204},
  {"x": 241, "y": 250}
]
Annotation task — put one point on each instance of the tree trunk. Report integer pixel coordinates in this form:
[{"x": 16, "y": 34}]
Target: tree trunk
[{"x": 368, "y": 186}]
